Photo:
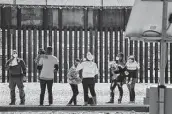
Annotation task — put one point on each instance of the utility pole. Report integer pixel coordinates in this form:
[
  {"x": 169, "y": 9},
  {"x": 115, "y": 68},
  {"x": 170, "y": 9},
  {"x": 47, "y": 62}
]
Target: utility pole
[{"x": 163, "y": 62}]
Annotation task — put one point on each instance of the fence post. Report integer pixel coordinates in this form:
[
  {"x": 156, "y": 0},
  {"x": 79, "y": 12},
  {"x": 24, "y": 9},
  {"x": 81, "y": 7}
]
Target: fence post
[
  {"x": 81, "y": 43},
  {"x": 8, "y": 47},
  {"x": 18, "y": 17},
  {"x": 14, "y": 39},
  {"x": 146, "y": 62},
  {"x": 111, "y": 42},
  {"x": 136, "y": 54},
  {"x": 70, "y": 48},
  {"x": 3, "y": 54},
  {"x": 116, "y": 41},
  {"x": 91, "y": 41},
  {"x": 156, "y": 62},
  {"x": 85, "y": 41},
  {"x": 50, "y": 36},
  {"x": 19, "y": 42},
  {"x": 126, "y": 48},
  {"x": 166, "y": 68},
  {"x": 131, "y": 47},
  {"x": 75, "y": 43},
  {"x": 55, "y": 51},
  {"x": 151, "y": 63},
  {"x": 101, "y": 55},
  {"x": 106, "y": 55},
  {"x": 96, "y": 50},
  {"x": 29, "y": 55},
  {"x": 65, "y": 54},
  {"x": 121, "y": 39},
  {"x": 24, "y": 44},
  {"x": 45, "y": 25},
  {"x": 40, "y": 37},
  {"x": 141, "y": 61},
  {"x": 170, "y": 62},
  {"x": 34, "y": 53},
  {"x": 60, "y": 56}
]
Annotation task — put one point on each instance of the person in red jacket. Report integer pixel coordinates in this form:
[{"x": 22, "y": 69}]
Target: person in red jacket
[{"x": 17, "y": 75}]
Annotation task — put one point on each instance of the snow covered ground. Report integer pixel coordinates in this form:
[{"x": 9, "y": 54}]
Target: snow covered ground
[{"x": 62, "y": 94}]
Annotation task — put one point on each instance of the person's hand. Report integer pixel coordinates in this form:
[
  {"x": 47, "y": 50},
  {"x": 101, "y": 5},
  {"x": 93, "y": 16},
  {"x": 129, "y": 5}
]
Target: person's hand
[
  {"x": 24, "y": 78},
  {"x": 55, "y": 71},
  {"x": 126, "y": 73}
]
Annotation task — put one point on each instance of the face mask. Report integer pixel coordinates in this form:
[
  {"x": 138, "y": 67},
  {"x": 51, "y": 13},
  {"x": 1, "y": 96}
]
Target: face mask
[
  {"x": 117, "y": 58},
  {"x": 15, "y": 55}
]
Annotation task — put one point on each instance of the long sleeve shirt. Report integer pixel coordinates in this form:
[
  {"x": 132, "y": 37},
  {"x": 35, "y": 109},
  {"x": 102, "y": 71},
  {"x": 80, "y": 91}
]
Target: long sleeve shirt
[
  {"x": 73, "y": 76},
  {"x": 89, "y": 69},
  {"x": 132, "y": 66}
]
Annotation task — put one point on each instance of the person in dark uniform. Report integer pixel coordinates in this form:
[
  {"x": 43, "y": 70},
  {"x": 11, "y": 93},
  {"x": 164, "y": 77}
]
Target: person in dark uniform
[
  {"x": 17, "y": 75},
  {"x": 117, "y": 69}
]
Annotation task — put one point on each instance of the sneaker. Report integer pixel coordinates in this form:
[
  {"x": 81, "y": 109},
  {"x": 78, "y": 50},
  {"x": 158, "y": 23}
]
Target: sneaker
[
  {"x": 69, "y": 104},
  {"x": 50, "y": 104},
  {"x": 22, "y": 103},
  {"x": 111, "y": 101},
  {"x": 12, "y": 103}
]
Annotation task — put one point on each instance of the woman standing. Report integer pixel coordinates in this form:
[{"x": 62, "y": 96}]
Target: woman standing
[
  {"x": 119, "y": 73},
  {"x": 74, "y": 80},
  {"x": 132, "y": 68},
  {"x": 89, "y": 71}
]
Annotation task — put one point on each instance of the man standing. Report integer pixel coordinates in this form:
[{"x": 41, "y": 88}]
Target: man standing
[
  {"x": 17, "y": 74},
  {"x": 49, "y": 65}
]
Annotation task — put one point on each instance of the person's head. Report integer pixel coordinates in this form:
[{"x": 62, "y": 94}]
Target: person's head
[
  {"x": 77, "y": 61},
  {"x": 41, "y": 51},
  {"x": 49, "y": 50},
  {"x": 15, "y": 54},
  {"x": 131, "y": 59},
  {"x": 89, "y": 57},
  {"x": 120, "y": 56}
]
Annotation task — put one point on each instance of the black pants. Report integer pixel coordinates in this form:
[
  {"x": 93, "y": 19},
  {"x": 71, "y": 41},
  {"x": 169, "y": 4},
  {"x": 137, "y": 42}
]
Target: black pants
[
  {"x": 113, "y": 85},
  {"x": 131, "y": 88},
  {"x": 43, "y": 84},
  {"x": 74, "y": 88},
  {"x": 13, "y": 81},
  {"x": 88, "y": 83}
]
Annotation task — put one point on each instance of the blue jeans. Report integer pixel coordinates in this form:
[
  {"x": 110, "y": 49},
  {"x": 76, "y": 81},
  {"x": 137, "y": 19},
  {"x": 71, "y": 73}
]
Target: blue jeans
[{"x": 43, "y": 84}]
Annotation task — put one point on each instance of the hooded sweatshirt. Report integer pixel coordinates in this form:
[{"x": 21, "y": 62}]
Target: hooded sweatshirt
[{"x": 89, "y": 69}]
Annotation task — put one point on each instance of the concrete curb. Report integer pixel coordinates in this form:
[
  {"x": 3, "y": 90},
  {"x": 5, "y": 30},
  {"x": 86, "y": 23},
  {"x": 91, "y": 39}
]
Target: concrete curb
[{"x": 135, "y": 107}]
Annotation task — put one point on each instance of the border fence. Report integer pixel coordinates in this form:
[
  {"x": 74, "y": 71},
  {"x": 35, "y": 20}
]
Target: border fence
[{"x": 70, "y": 42}]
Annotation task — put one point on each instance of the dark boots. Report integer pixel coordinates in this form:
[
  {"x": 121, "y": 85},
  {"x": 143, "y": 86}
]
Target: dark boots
[{"x": 111, "y": 98}]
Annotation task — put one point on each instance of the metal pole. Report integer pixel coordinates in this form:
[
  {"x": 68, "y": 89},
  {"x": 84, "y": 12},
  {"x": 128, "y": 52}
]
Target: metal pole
[
  {"x": 163, "y": 60},
  {"x": 102, "y": 3},
  {"x": 163, "y": 42}
]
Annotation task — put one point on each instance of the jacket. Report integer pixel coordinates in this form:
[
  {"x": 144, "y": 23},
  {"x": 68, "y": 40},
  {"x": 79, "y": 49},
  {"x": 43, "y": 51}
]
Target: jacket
[
  {"x": 73, "y": 77},
  {"x": 17, "y": 70}
]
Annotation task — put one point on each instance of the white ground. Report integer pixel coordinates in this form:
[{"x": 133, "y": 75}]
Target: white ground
[{"x": 62, "y": 94}]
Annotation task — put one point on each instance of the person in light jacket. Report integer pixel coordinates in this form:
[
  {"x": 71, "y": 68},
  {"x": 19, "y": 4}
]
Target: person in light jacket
[
  {"x": 89, "y": 70},
  {"x": 49, "y": 65},
  {"x": 74, "y": 80},
  {"x": 132, "y": 68}
]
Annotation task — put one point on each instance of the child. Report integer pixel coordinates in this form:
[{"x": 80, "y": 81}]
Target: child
[
  {"x": 132, "y": 67},
  {"x": 41, "y": 53},
  {"x": 74, "y": 80}
]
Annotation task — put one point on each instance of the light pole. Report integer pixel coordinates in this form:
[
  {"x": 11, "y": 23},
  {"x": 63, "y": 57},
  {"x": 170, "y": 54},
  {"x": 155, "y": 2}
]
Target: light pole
[{"x": 163, "y": 62}]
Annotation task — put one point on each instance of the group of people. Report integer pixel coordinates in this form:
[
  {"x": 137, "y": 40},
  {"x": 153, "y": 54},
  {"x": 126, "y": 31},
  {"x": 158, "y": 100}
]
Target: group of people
[{"x": 47, "y": 64}]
